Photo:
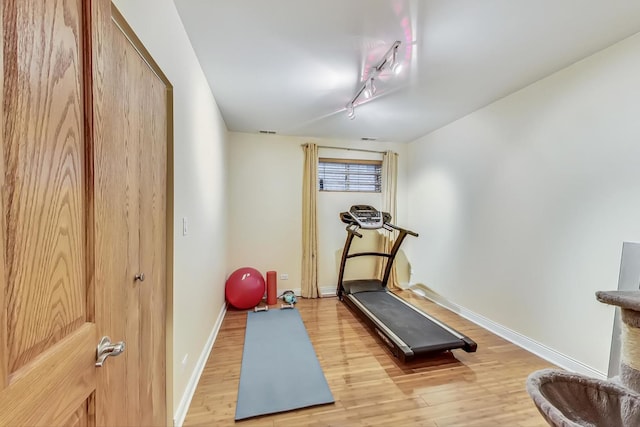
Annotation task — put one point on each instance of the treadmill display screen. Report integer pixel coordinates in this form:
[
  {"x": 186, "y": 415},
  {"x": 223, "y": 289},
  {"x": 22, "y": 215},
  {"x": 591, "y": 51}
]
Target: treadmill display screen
[{"x": 367, "y": 216}]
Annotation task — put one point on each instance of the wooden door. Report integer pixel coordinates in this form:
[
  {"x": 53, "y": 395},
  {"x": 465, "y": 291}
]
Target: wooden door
[
  {"x": 130, "y": 227},
  {"x": 47, "y": 332},
  {"x": 152, "y": 261}
]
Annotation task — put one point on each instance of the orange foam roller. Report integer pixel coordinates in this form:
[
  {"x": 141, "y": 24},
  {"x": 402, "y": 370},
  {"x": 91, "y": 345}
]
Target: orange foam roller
[{"x": 272, "y": 287}]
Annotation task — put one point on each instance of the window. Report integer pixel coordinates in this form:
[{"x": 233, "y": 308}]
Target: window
[{"x": 350, "y": 175}]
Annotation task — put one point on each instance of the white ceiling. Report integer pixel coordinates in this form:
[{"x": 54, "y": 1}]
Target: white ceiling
[{"x": 291, "y": 66}]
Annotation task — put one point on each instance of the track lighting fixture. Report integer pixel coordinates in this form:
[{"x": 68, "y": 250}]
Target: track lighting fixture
[{"x": 368, "y": 88}]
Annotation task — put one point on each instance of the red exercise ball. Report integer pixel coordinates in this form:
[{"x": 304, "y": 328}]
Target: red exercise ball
[{"x": 244, "y": 288}]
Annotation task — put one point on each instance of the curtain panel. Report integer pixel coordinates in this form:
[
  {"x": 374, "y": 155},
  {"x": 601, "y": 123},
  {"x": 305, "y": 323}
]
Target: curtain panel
[
  {"x": 309, "y": 285},
  {"x": 389, "y": 204}
]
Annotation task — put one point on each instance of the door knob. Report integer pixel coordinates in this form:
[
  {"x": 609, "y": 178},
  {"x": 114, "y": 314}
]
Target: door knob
[
  {"x": 139, "y": 276},
  {"x": 106, "y": 349}
]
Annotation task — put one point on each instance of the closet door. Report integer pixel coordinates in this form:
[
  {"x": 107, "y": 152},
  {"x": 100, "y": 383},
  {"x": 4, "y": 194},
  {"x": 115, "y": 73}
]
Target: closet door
[
  {"x": 152, "y": 262},
  {"x": 117, "y": 221},
  {"x": 130, "y": 224},
  {"x": 47, "y": 333}
]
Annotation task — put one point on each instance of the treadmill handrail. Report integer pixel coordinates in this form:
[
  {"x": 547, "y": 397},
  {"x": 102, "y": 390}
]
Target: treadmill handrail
[
  {"x": 352, "y": 230},
  {"x": 395, "y": 227},
  {"x": 343, "y": 262},
  {"x": 392, "y": 255},
  {"x": 382, "y": 254}
]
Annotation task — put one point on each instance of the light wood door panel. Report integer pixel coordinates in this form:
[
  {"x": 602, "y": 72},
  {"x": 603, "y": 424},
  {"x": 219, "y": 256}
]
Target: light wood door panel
[
  {"x": 4, "y": 377},
  {"x": 48, "y": 339},
  {"x": 130, "y": 231},
  {"x": 49, "y": 390},
  {"x": 80, "y": 418},
  {"x": 117, "y": 235},
  {"x": 44, "y": 197},
  {"x": 115, "y": 225},
  {"x": 153, "y": 151}
]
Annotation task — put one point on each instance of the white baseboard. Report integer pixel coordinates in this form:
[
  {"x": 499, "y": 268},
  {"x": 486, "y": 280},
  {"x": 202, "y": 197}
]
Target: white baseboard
[
  {"x": 325, "y": 291},
  {"x": 183, "y": 407},
  {"x": 532, "y": 346},
  {"x": 328, "y": 291}
]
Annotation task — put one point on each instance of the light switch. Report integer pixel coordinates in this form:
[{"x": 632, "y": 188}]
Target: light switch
[{"x": 185, "y": 228}]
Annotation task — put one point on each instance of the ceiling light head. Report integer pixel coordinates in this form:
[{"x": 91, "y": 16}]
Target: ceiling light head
[
  {"x": 395, "y": 66},
  {"x": 369, "y": 88},
  {"x": 351, "y": 113}
]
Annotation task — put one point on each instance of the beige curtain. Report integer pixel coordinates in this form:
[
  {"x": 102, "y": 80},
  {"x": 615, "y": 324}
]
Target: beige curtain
[
  {"x": 309, "y": 283},
  {"x": 389, "y": 187}
]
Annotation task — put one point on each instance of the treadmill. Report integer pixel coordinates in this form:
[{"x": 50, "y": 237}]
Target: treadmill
[{"x": 406, "y": 330}]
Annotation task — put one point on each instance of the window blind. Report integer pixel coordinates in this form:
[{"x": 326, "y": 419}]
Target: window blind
[{"x": 350, "y": 175}]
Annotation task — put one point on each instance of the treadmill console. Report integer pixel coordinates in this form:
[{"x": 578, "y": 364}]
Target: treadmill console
[{"x": 365, "y": 216}]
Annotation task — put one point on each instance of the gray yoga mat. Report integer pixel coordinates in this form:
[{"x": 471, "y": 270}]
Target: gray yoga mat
[{"x": 280, "y": 370}]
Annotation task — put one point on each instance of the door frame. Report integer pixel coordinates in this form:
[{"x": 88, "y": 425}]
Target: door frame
[{"x": 119, "y": 20}]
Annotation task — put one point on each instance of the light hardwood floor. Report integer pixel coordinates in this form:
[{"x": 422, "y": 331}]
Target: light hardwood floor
[{"x": 371, "y": 387}]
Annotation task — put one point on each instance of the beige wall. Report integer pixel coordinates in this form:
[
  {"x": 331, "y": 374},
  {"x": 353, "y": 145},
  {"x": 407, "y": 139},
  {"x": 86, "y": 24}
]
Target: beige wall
[
  {"x": 527, "y": 201},
  {"x": 199, "y": 180},
  {"x": 265, "y": 205}
]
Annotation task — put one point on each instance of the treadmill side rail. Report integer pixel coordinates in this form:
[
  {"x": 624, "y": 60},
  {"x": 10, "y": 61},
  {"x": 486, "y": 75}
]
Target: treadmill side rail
[{"x": 470, "y": 345}]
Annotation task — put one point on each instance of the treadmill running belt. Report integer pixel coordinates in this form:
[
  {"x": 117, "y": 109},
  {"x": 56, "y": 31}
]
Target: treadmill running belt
[{"x": 417, "y": 331}]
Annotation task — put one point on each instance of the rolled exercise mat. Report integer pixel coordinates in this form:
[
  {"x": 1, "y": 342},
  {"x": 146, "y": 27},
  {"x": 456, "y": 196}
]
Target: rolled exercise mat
[{"x": 272, "y": 287}]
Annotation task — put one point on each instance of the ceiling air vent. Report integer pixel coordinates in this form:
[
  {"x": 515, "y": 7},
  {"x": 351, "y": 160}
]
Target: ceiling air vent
[
  {"x": 268, "y": 132},
  {"x": 364, "y": 138}
]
